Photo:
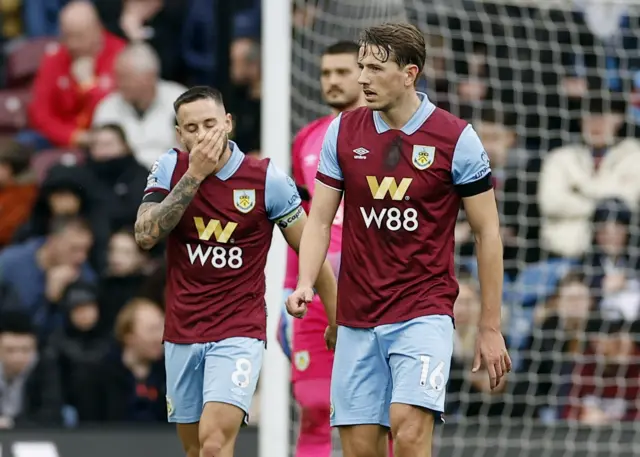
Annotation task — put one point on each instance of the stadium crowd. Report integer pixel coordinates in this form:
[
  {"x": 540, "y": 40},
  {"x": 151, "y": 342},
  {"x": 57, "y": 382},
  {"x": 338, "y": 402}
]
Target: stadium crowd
[{"x": 86, "y": 109}]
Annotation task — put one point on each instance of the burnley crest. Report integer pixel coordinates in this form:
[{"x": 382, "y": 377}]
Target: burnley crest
[
  {"x": 423, "y": 156},
  {"x": 244, "y": 199}
]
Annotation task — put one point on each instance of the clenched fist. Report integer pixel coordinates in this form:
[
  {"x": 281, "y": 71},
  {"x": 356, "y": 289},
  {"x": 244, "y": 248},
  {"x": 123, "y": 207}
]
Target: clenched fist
[{"x": 297, "y": 302}]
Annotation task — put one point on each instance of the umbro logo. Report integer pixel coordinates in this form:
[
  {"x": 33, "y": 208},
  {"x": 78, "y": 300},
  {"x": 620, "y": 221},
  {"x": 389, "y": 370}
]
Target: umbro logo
[{"x": 360, "y": 153}]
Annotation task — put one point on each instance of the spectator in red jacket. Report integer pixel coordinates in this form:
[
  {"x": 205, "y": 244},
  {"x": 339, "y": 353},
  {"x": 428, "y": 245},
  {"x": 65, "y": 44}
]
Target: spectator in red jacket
[
  {"x": 74, "y": 78},
  {"x": 606, "y": 384}
]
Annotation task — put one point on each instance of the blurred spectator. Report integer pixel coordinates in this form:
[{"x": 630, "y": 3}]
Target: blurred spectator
[
  {"x": 12, "y": 25},
  {"x": 18, "y": 189},
  {"x": 612, "y": 272},
  {"x": 200, "y": 37},
  {"x": 129, "y": 385},
  {"x": 78, "y": 343},
  {"x": 41, "y": 17},
  {"x": 514, "y": 179},
  {"x": 40, "y": 270},
  {"x": 245, "y": 103},
  {"x": 115, "y": 175},
  {"x": 29, "y": 387},
  {"x": 575, "y": 177},
  {"x": 72, "y": 80},
  {"x": 469, "y": 394},
  {"x": 158, "y": 22},
  {"x": 9, "y": 298},
  {"x": 605, "y": 387},
  {"x": 551, "y": 348},
  {"x": 154, "y": 286},
  {"x": 124, "y": 275},
  {"x": 143, "y": 104},
  {"x": 65, "y": 192}
]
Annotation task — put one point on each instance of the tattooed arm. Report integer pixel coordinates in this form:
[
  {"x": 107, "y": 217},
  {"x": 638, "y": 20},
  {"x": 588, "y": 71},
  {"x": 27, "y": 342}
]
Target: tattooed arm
[{"x": 156, "y": 220}]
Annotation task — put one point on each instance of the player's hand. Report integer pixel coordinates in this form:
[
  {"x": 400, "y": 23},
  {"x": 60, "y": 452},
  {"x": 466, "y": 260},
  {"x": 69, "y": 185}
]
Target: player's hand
[
  {"x": 298, "y": 301},
  {"x": 491, "y": 351},
  {"x": 331, "y": 336},
  {"x": 206, "y": 153}
]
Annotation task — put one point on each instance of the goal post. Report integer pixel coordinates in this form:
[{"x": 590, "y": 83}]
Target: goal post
[{"x": 274, "y": 424}]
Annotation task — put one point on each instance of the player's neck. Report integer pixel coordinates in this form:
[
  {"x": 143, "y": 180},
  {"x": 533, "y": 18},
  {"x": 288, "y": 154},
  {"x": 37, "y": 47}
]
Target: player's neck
[
  {"x": 224, "y": 158},
  {"x": 399, "y": 114}
]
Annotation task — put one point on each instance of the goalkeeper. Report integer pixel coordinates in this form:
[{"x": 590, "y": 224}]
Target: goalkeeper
[{"x": 311, "y": 361}]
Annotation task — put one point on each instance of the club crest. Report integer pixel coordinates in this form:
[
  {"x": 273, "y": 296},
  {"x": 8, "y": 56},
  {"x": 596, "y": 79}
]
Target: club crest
[
  {"x": 423, "y": 156},
  {"x": 169, "y": 407},
  {"x": 301, "y": 360},
  {"x": 244, "y": 199}
]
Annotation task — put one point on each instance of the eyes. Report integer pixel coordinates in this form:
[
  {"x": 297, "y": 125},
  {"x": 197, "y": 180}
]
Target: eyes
[
  {"x": 208, "y": 125},
  {"x": 372, "y": 68}
]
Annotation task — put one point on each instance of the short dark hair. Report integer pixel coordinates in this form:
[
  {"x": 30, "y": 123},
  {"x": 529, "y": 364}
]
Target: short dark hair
[
  {"x": 16, "y": 321},
  {"x": 16, "y": 155},
  {"x": 197, "y": 93},
  {"x": 119, "y": 131},
  {"x": 402, "y": 42},
  {"x": 342, "y": 47}
]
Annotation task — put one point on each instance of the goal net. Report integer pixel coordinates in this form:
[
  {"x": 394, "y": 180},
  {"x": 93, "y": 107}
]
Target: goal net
[{"x": 532, "y": 77}]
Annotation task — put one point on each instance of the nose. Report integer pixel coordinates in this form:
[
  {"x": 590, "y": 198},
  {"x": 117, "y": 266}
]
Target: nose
[
  {"x": 334, "y": 79},
  {"x": 202, "y": 130},
  {"x": 363, "y": 78}
]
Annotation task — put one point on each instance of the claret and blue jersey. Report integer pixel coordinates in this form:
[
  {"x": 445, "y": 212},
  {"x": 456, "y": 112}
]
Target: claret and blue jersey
[
  {"x": 217, "y": 253},
  {"x": 402, "y": 191},
  {"x": 215, "y": 324},
  {"x": 396, "y": 289}
]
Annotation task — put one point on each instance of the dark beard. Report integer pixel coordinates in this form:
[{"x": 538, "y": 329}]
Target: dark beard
[{"x": 341, "y": 106}]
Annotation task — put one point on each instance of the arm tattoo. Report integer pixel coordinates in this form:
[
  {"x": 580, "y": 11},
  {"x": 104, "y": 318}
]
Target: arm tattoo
[{"x": 156, "y": 220}]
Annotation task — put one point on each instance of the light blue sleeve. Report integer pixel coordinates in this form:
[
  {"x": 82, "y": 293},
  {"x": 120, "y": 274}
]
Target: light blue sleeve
[
  {"x": 470, "y": 160},
  {"x": 328, "y": 165},
  {"x": 280, "y": 194},
  {"x": 159, "y": 179}
]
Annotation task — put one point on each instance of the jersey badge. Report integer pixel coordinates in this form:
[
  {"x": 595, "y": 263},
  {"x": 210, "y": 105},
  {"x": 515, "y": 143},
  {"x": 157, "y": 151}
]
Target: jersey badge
[
  {"x": 423, "y": 156},
  {"x": 244, "y": 200},
  {"x": 169, "y": 407},
  {"x": 360, "y": 153},
  {"x": 301, "y": 360}
]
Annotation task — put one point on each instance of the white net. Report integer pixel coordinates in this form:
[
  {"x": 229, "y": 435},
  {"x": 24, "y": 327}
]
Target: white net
[{"x": 531, "y": 76}]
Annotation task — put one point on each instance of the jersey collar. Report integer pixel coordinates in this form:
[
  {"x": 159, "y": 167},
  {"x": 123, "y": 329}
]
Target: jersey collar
[
  {"x": 425, "y": 110},
  {"x": 232, "y": 165}
]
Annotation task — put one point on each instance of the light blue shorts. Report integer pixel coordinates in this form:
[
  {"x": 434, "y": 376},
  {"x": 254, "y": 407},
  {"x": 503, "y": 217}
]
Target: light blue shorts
[
  {"x": 224, "y": 372},
  {"x": 407, "y": 363}
]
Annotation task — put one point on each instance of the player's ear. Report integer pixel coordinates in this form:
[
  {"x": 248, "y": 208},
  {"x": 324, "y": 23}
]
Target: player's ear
[
  {"x": 411, "y": 74},
  {"x": 228, "y": 123},
  {"x": 179, "y": 136}
]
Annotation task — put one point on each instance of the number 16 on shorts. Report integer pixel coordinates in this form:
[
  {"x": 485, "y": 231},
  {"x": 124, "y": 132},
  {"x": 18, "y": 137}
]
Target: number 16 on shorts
[{"x": 434, "y": 379}]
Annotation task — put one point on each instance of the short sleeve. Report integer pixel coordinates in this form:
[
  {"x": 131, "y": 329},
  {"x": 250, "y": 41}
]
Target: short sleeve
[
  {"x": 282, "y": 199},
  {"x": 329, "y": 171},
  {"x": 159, "y": 179},
  {"x": 470, "y": 170}
]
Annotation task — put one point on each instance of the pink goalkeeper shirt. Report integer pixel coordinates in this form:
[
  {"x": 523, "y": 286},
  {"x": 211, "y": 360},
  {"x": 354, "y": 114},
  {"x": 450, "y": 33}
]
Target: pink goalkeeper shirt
[{"x": 305, "y": 156}]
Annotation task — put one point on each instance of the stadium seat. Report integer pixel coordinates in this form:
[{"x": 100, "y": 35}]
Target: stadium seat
[
  {"x": 44, "y": 160},
  {"x": 13, "y": 109},
  {"x": 24, "y": 59}
]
